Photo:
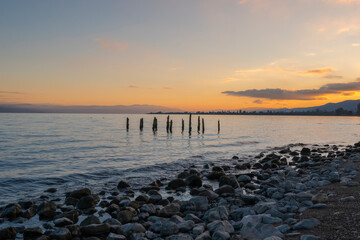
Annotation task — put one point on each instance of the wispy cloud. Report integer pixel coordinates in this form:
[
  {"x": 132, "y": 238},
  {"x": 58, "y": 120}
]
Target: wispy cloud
[
  {"x": 258, "y": 101},
  {"x": 333, "y": 76},
  {"x": 319, "y": 71},
  {"x": 12, "y": 96},
  {"x": 132, "y": 86},
  {"x": 258, "y": 70},
  {"x": 112, "y": 44},
  {"x": 303, "y": 94},
  {"x": 231, "y": 79}
]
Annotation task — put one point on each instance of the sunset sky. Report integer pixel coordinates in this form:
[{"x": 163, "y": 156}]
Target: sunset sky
[{"x": 192, "y": 55}]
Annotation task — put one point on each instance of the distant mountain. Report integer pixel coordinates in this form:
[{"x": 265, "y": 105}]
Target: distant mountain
[
  {"x": 350, "y": 105},
  {"x": 49, "y": 108}
]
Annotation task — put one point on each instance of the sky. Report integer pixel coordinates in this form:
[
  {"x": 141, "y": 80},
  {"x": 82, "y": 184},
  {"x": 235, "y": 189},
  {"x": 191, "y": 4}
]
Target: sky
[{"x": 191, "y": 55}]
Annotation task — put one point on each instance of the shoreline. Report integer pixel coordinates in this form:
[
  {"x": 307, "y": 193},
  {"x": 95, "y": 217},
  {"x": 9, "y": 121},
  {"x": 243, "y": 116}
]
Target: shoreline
[{"x": 208, "y": 202}]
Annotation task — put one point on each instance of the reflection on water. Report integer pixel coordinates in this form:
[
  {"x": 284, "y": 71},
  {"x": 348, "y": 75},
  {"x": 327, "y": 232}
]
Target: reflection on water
[{"x": 38, "y": 150}]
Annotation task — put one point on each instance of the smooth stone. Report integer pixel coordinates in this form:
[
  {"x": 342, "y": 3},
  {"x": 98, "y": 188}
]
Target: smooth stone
[
  {"x": 168, "y": 228},
  {"x": 309, "y": 237},
  {"x": 169, "y": 210},
  {"x": 87, "y": 202},
  {"x": 90, "y": 220},
  {"x": 198, "y": 229},
  {"x": 219, "y": 235},
  {"x": 122, "y": 185},
  {"x": 8, "y": 233},
  {"x": 218, "y": 213},
  {"x": 59, "y": 234},
  {"x": 77, "y": 194},
  {"x": 96, "y": 229},
  {"x": 32, "y": 233},
  {"x": 348, "y": 199},
  {"x": 62, "y": 222},
  {"x": 130, "y": 228},
  {"x": 201, "y": 203},
  {"x": 180, "y": 236},
  {"x": 13, "y": 211},
  {"x": 306, "y": 224},
  {"x": 218, "y": 225},
  {"x": 125, "y": 216},
  {"x": 113, "y": 236},
  {"x": 176, "y": 183},
  {"x": 47, "y": 210},
  {"x": 186, "y": 226},
  {"x": 204, "y": 236},
  {"x": 193, "y": 181}
]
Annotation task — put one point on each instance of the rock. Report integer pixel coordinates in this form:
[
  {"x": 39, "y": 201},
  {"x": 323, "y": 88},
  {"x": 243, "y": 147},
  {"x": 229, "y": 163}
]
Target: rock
[
  {"x": 218, "y": 213},
  {"x": 229, "y": 180},
  {"x": 305, "y": 151},
  {"x": 309, "y": 237},
  {"x": 193, "y": 181},
  {"x": 32, "y": 233},
  {"x": 96, "y": 229},
  {"x": 113, "y": 236},
  {"x": 11, "y": 211},
  {"x": 176, "y": 183},
  {"x": 180, "y": 236},
  {"x": 218, "y": 235},
  {"x": 169, "y": 210},
  {"x": 268, "y": 219},
  {"x": 125, "y": 216},
  {"x": 348, "y": 199},
  {"x": 148, "y": 208},
  {"x": 77, "y": 194},
  {"x": 112, "y": 222},
  {"x": 201, "y": 203},
  {"x": 186, "y": 226},
  {"x": 283, "y": 228},
  {"x": 225, "y": 189},
  {"x": 273, "y": 238},
  {"x": 244, "y": 179},
  {"x": 130, "y": 228},
  {"x": 193, "y": 218},
  {"x": 51, "y": 190},
  {"x": 122, "y": 185},
  {"x": 8, "y": 233},
  {"x": 306, "y": 224},
  {"x": 320, "y": 198},
  {"x": 90, "y": 220},
  {"x": 73, "y": 215},
  {"x": 59, "y": 234},
  {"x": 29, "y": 213},
  {"x": 204, "y": 236},
  {"x": 47, "y": 210},
  {"x": 222, "y": 226},
  {"x": 87, "y": 202},
  {"x": 168, "y": 228},
  {"x": 334, "y": 177},
  {"x": 62, "y": 222},
  {"x": 198, "y": 229}
]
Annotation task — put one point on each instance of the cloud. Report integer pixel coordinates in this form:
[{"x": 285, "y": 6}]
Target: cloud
[
  {"x": 167, "y": 88},
  {"x": 355, "y": 44},
  {"x": 8, "y": 96},
  {"x": 311, "y": 54},
  {"x": 343, "y": 1},
  {"x": 132, "y": 86},
  {"x": 319, "y": 71},
  {"x": 231, "y": 79},
  {"x": 12, "y": 93},
  {"x": 303, "y": 94},
  {"x": 257, "y": 70},
  {"x": 172, "y": 69},
  {"x": 113, "y": 45},
  {"x": 258, "y": 101},
  {"x": 333, "y": 77}
]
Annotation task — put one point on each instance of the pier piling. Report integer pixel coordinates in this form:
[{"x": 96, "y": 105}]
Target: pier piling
[
  {"x": 127, "y": 124},
  {"x": 167, "y": 123},
  {"x": 198, "y": 126},
  {"x": 190, "y": 124},
  {"x": 218, "y": 126},
  {"x": 182, "y": 125},
  {"x": 203, "y": 126},
  {"x": 141, "y": 124},
  {"x": 171, "y": 125},
  {"x": 154, "y": 128}
]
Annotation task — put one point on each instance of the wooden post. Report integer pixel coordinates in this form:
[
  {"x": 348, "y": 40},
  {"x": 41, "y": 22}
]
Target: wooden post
[
  {"x": 171, "y": 124},
  {"x": 127, "y": 124},
  {"x": 182, "y": 125},
  {"x": 154, "y": 128},
  {"x": 203, "y": 126},
  {"x": 167, "y": 124},
  {"x": 190, "y": 123},
  {"x": 141, "y": 124},
  {"x": 198, "y": 127},
  {"x": 218, "y": 126}
]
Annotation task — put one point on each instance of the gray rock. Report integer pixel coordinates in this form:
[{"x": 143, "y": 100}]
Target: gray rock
[
  {"x": 217, "y": 213},
  {"x": 62, "y": 222},
  {"x": 176, "y": 183},
  {"x": 73, "y": 215},
  {"x": 283, "y": 228},
  {"x": 268, "y": 219},
  {"x": 168, "y": 228},
  {"x": 130, "y": 228},
  {"x": 198, "y": 229},
  {"x": 32, "y": 233},
  {"x": 201, "y": 203},
  {"x": 125, "y": 216},
  {"x": 180, "y": 236},
  {"x": 87, "y": 202},
  {"x": 186, "y": 226},
  {"x": 122, "y": 185},
  {"x": 59, "y": 234},
  {"x": 309, "y": 237},
  {"x": 96, "y": 229},
  {"x": 113, "y": 236},
  {"x": 12, "y": 211},
  {"x": 204, "y": 236},
  {"x": 348, "y": 199},
  {"x": 225, "y": 189},
  {"x": 8, "y": 233},
  {"x": 193, "y": 181},
  {"x": 77, "y": 194},
  {"x": 220, "y": 236},
  {"x": 244, "y": 178},
  {"x": 90, "y": 220},
  {"x": 47, "y": 210},
  {"x": 193, "y": 217},
  {"x": 222, "y": 226},
  {"x": 169, "y": 210},
  {"x": 148, "y": 208},
  {"x": 273, "y": 238},
  {"x": 306, "y": 224},
  {"x": 112, "y": 221}
]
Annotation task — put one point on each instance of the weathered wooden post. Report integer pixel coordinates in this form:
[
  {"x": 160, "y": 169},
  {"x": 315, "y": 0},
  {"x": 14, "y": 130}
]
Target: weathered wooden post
[
  {"x": 141, "y": 124},
  {"x": 127, "y": 124},
  {"x": 198, "y": 127},
  {"x": 203, "y": 126},
  {"x": 190, "y": 123},
  {"x": 182, "y": 125},
  {"x": 218, "y": 126},
  {"x": 171, "y": 124},
  {"x": 167, "y": 124},
  {"x": 154, "y": 127}
]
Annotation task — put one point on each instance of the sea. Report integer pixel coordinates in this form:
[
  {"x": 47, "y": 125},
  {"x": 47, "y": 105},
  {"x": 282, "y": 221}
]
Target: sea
[{"x": 69, "y": 151}]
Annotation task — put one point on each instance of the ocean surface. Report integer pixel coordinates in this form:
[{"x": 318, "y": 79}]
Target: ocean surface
[{"x": 68, "y": 151}]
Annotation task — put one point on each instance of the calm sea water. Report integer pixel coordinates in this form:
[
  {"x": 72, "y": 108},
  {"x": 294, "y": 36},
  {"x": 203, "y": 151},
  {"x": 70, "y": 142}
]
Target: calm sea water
[{"x": 38, "y": 151}]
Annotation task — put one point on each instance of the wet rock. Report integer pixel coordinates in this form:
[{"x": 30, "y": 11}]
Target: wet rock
[
  {"x": 142, "y": 198},
  {"x": 229, "y": 180},
  {"x": 11, "y": 211},
  {"x": 73, "y": 215},
  {"x": 193, "y": 218},
  {"x": 193, "y": 181},
  {"x": 29, "y": 213},
  {"x": 204, "y": 236},
  {"x": 305, "y": 151},
  {"x": 180, "y": 236},
  {"x": 348, "y": 199},
  {"x": 198, "y": 229},
  {"x": 168, "y": 228},
  {"x": 125, "y": 216},
  {"x": 244, "y": 179},
  {"x": 306, "y": 224},
  {"x": 169, "y": 210},
  {"x": 113, "y": 236},
  {"x": 8, "y": 233},
  {"x": 225, "y": 189},
  {"x": 201, "y": 203},
  {"x": 59, "y": 234},
  {"x": 176, "y": 183},
  {"x": 32, "y": 233},
  {"x": 87, "y": 202},
  {"x": 219, "y": 235},
  {"x": 186, "y": 226},
  {"x": 148, "y": 208},
  {"x": 309, "y": 237},
  {"x": 130, "y": 228},
  {"x": 217, "y": 213},
  {"x": 90, "y": 220},
  {"x": 320, "y": 198},
  {"x": 47, "y": 210},
  {"x": 122, "y": 185},
  {"x": 62, "y": 222},
  {"x": 77, "y": 194},
  {"x": 102, "y": 229},
  {"x": 51, "y": 190},
  {"x": 112, "y": 222},
  {"x": 222, "y": 226}
]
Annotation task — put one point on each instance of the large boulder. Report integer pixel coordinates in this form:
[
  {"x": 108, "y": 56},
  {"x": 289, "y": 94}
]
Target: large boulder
[
  {"x": 11, "y": 211},
  {"x": 176, "y": 183},
  {"x": 47, "y": 210}
]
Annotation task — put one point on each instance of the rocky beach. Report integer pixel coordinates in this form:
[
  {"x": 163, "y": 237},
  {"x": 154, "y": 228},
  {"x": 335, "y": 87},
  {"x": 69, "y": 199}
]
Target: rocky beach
[{"x": 293, "y": 192}]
